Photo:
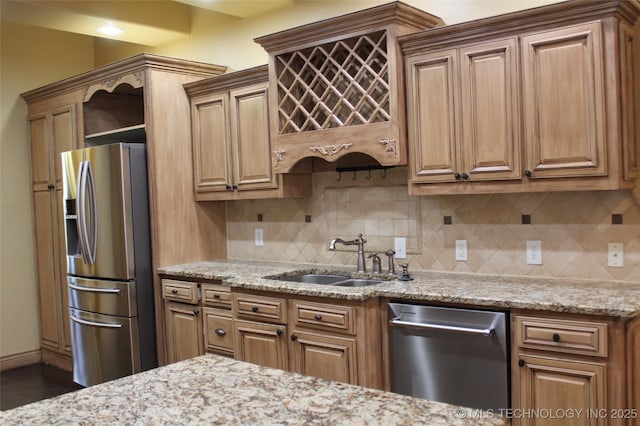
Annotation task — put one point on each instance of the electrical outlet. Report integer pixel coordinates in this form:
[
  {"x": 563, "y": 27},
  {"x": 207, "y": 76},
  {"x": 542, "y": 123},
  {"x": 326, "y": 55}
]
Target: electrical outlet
[
  {"x": 461, "y": 250},
  {"x": 259, "y": 237},
  {"x": 616, "y": 255},
  {"x": 534, "y": 252},
  {"x": 400, "y": 247}
]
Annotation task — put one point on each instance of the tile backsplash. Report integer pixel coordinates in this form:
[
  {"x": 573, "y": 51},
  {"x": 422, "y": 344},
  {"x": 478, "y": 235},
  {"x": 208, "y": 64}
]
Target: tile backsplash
[{"x": 574, "y": 227}]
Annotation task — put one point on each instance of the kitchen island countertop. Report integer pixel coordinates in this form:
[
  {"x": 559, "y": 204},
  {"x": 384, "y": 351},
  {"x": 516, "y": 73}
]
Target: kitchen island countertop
[
  {"x": 215, "y": 390},
  {"x": 590, "y": 297}
]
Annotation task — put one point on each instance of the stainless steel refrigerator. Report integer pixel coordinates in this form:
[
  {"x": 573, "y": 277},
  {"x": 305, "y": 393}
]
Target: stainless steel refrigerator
[{"x": 109, "y": 275}]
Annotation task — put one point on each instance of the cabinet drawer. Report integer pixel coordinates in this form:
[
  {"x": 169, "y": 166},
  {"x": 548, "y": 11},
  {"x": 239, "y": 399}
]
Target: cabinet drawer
[
  {"x": 324, "y": 316},
  {"x": 182, "y": 291},
  {"x": 579, "y": 337},
  {"x": 270, "y": 309},
  {"x": 218, "y": 330},
  {"x": 215, "y": 295}
]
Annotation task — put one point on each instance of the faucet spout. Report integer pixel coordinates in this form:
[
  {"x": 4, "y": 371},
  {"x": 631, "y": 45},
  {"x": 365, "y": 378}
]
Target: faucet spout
[{"x": 359, "y": 241}]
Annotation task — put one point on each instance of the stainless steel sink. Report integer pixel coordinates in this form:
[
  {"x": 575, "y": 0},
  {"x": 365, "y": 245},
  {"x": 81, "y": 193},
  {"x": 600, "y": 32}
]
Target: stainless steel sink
[
  {"x": 314, "y": 278},
  {"x": 326, "y": 279},
  {"x": 357, "y": 283}
]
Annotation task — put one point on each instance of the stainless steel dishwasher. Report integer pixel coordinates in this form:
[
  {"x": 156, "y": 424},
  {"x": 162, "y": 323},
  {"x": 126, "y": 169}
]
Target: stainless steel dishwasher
[{"x": 459, "y": 356}]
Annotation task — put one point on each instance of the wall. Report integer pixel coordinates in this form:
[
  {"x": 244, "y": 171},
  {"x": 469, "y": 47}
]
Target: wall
[{"x": 30, "y": 57}]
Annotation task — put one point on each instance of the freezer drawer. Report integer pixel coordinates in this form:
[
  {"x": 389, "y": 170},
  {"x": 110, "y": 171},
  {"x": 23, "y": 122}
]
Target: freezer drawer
[
  {"x": 104, "y": 347},
  {"x": 102, "y": 296}
]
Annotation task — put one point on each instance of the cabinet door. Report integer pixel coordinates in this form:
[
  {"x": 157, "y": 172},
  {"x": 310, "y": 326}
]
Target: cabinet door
[
  {"x": 218, "y": 331},
  {"x": 324, "y": 356},
  {"x": 432, "y": 105},
  {"x": 630, "y": 117},
  {"x": 51, "y": 133},
  {"x": 211, "y": 143},
  {"x": 558, "y": 384},
  {"x": 251, "y": 143},
  {"x": 48, "y": 285},
  {"x": 261, "y": 343},
  {"x": 564, "y": 105},
  {"x": 184, "y": 331},
  {"x": 489, "y": 104}
]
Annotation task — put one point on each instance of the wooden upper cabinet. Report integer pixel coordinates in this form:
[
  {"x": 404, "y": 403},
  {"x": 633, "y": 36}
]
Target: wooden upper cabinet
[
  {"x": 490, "y": 111},
  {"x": 433, "y": 135},
  {"x": 336, "y": 86},
  {"x": 52, "y": 132},
  {"x": 231, "y": 140},
  {"x": 563, "y": 93},
  {"x": 630, "y": 108},
  {"x": 250, "y": 141},
  {"x": 535, "y": 100},
  {"x": 463, "y": 113},
  {"x": 211, "y": 143}
]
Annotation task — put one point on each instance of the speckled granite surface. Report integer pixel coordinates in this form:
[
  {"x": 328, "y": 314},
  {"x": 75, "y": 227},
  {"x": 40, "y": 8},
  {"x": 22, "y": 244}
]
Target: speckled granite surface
[
  {"x": 613, "y": 298},
  {"x": 212, "y": 390}
]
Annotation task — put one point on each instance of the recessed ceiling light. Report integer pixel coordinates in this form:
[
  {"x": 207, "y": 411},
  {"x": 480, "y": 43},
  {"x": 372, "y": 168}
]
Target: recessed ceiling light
[{"x": 110, "y": 30}]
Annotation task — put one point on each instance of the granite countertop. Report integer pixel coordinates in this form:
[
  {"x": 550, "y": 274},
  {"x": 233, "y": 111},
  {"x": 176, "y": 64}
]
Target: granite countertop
[
  {"x": 593, "y": 297},
  {"x": 215, "y": 390}
]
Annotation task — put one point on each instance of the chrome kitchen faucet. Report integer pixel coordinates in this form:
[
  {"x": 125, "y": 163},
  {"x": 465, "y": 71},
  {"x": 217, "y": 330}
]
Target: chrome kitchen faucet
[{"x": 359, "y": 241}]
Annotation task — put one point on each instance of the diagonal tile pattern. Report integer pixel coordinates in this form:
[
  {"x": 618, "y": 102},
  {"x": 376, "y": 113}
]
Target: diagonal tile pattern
[{"x": 574, "y": 227}]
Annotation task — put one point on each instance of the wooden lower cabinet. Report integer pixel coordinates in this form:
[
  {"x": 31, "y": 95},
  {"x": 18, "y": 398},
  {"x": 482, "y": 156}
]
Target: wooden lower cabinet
[
  {"x": 184, "y": 331},
  {"x": 326, "y": 356},
  {"x": 261, "y": 343},
  {"x": 560, "y": 385},
  {"x": 332, "y": 339}
]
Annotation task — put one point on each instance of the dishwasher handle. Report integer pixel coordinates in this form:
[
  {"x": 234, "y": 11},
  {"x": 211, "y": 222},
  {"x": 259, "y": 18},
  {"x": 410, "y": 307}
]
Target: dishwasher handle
[{"x": 397, "y": 322}]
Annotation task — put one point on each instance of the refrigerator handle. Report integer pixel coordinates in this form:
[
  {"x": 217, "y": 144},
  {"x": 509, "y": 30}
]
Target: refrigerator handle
[
  {"x": 92, "y": 238},
  {"x": 80, "y": 222},
  {"x": 95, "y": 324}
]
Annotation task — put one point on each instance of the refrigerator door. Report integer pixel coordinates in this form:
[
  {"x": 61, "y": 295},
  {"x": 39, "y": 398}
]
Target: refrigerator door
[
  {"x": 104, "y": 297},
  {"x": 100, "y": 189},
  {"x": 104, "y": 347}
]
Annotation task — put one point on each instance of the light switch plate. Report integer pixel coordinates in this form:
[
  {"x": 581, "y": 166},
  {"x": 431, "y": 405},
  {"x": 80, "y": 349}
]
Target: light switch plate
[
  {"x": 400, "y": 247},
  {"x": 259, "y": 237},
  {"x": 616, "y": 255},
  {"x": 461, "y": 250},
  {"x": 534, "y": 252}
]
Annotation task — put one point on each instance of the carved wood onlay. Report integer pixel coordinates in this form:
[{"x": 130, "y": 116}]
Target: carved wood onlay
[
  {"x": 279, "y": 155},
  {"x": 390, "y": 146},
  {"x": 330, "y": 150}
]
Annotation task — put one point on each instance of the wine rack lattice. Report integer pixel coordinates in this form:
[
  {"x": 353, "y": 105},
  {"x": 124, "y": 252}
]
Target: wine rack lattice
[{"x": 336, "y": 84}]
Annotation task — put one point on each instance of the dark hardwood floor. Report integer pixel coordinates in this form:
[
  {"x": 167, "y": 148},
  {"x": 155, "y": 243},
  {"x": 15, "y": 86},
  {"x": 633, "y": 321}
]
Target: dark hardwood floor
[{"x": 36, "y": 382}]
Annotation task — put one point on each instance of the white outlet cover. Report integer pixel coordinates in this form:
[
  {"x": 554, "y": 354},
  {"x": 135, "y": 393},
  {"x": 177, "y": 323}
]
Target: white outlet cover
[
  {"x": 616, "y": 255},
  {"x": 461, "y": 250},
  {"x": 400, "y": 247},
  {"x": 534, "y": 252},
  {"x": 259, "y": 237}
]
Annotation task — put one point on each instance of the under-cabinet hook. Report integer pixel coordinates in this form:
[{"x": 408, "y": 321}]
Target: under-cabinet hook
[
  {"x": 384, "y": 173},
  {"x": 339, "y": 176},
  {"x": 369, "y": 175},
  {"x": 354, "y": 175}
]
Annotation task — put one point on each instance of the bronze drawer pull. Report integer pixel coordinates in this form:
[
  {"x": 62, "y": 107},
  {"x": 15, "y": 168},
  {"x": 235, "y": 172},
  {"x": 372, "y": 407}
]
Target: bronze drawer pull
[
  {"x": 318, "y": 317},
  {"x": 220, "y": 332},
  {"x": 254, "y": 309},
  {"x": 556, "y": 337},
  {"x": 174, "y": 291}
]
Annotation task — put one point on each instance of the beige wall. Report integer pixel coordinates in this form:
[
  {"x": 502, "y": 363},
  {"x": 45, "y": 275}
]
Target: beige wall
[{"x": 30, "y": 57}]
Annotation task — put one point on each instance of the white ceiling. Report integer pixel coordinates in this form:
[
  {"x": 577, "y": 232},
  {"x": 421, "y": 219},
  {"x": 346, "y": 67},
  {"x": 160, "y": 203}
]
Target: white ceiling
[{"x": 146, "y": 22}]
